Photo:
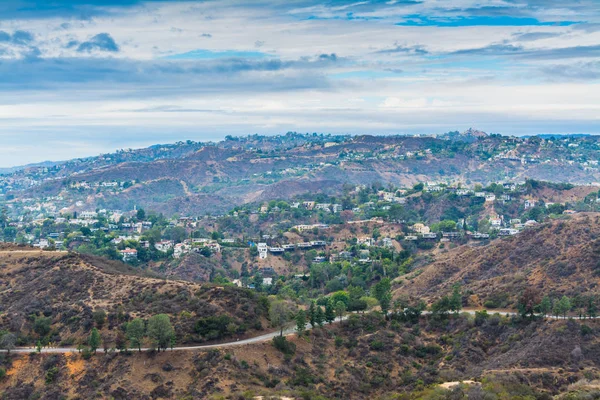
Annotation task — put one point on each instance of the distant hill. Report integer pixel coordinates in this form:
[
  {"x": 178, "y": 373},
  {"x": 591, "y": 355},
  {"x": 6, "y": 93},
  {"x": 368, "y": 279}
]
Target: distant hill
[{"x": 191, "y": 178}]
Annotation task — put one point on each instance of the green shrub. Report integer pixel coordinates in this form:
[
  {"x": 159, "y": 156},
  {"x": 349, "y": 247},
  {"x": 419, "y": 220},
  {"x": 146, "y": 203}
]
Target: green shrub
[{"x": 282, "y": 344}]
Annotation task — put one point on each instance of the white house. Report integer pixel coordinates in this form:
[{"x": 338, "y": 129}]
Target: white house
[{"x": 262, "y": 250}]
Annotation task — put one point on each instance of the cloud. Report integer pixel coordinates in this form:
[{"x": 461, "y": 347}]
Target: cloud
[
  {"x": 533, "y": 36},
  {"x": 510, "y": 50},
  {"x": 419, "y": 50},
  {"x": 206, "y": 35},
  {"x": 100, "y": 42},
  {"x": 576, "y": 72},
  {"x": 19, "y": 37}
]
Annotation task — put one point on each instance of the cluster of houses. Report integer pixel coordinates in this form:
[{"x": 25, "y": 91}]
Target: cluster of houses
[{"x": 264, "y": 249}]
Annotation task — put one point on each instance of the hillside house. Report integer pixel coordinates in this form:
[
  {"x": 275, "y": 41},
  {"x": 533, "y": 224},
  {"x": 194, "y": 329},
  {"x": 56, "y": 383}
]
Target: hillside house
[
  {"x": 420, "y": 228},
  {"x": 529, "y": 204},
  {"x": 164, "y": 245},
  {"x": 490, "y": 197},
  {"x": 129, "y": 254},
  {"x": 262, "y": 251}
]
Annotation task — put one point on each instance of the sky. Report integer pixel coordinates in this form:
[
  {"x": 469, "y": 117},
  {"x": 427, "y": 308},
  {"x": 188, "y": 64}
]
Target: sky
[{"x": 84, "y": 77}]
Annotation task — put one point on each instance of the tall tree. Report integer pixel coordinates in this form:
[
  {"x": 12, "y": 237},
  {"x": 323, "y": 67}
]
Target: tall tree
[
  {"x": 329, "y": 312},
  {"x": 340, "y": 309},
  {"x": 312, "y": 315},
  {"x": 591, "y": 308},
  {"x": 8, "y": 341},
  {"x": 94, "y": 340},
  {"x": 528, "y": 302},
  {"x": 161, "y": 331},
  {"x": 456, "y": 298},
  {"x": 383, "y": 293},
  {"x": 279, "y": 314},
  {"x": 301, "y": 322},
  {"x": 135, "y": 333},
  {"x": 319, "y": 316},
  {"x": 562, "y": 306},
  {"x": 545, "y": 306}
]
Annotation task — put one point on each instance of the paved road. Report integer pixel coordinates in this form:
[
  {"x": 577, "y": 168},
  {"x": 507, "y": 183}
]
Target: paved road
[{"x": 257, "y": 339}]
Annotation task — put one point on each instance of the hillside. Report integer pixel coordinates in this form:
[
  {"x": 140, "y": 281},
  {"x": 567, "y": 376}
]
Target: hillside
[
  {"x": 556, "y": 258},
  {"x": 198, "y": 178},
  {"x": 65, "y": 291},
  {"x": 362, "y": 359}
]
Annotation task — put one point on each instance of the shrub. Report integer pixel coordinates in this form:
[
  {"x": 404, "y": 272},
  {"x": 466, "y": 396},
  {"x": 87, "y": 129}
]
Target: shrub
[
  {"x": 377, "y": 345},
  {"x": 282, "y": 344}
]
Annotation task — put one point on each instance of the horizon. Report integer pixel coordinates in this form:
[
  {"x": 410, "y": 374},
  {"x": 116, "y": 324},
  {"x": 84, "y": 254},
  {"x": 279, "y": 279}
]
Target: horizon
[{"x": 85, "y": 77}]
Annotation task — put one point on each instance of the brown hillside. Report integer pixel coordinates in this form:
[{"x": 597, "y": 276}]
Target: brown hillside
[
  {"x": 68, "y": 288},
  {"x": 560, "y": 257}
]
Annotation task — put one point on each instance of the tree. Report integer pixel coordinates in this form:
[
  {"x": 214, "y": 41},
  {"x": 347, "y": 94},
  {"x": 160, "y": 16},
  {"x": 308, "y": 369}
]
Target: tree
[
  {"x": 135, "y": 333},
  {"x": 340, "y": 309},
  {"x": 340, "y": 296},
  {"x": 591, "y": 308},
  {"x": 383, "y": 293},
  {"x": 456, "y": 299},
  {"x": 279, "y": 314},
  {"x": 441, "y": 307},
  {"x": 161, "y": 331},
  {"x": 41, "y": 326},
  {"x": 94, "y": 340},
  {"x": 528, "y": 302},
  {"x": 562, "y": 306},
  {"x": 301, "y": 322},
  {"x": 320, "y": 316},
  {"x": 312, "y": 315},
  {"x": 141, "y": 214},
  {"x": 329, "y": 312},
  {"x": 99, "y": 317},
  {"x": 121, "y": 341},
  {"x": 8, "y": 341},
  {"x": 545, "y": 306}
]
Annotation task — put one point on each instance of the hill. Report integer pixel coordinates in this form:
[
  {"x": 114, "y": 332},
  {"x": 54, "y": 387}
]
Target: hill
[
  {"x": 364, "y": 358},
  {"x": 557, "y": 258},
  {"x": 59, "y": 297},
  {"x": 197, "y": 178}
]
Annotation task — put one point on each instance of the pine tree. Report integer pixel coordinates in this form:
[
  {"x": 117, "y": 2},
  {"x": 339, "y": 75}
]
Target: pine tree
[
  {"x": 546, "y": 306},
  {"x": 320, "y": 316},
  {"x": 329, "y": 313},
  {"x": 94, "y": 340},
  {"x": 301, "y": 322},
  {"x": 312, "y": 315}
]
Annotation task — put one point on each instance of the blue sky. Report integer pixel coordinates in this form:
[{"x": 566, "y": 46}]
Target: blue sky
[{"x": 81, "y": 77}]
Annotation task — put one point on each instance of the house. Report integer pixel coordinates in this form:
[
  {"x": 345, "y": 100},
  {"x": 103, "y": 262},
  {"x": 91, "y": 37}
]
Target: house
[
  {"x": 323, "y": 206},
  {"x": 267, "y": 281},
  {"x": 496, "y": 222},
  {"x": 277, "y": 250},
  {"x": 410, "y": 238},
  {"x": 507, "y": 232},
  {"x": 129, "y": 254},
  {"x": 320, "y": 259},
  {"x": 387, "y": 242},
  {"x": 164, "y": 245},
  {"x": 529, "y": 204},
  {"x": 336, "y": 208},
  {"x": 262, "y": 250},
  {"x": 531, "y": 222},
  {"x": 88, "y": 214},
  {"x": 569, "y": 212},
  {"x": 420, "y": 228},
  {"x": 478, "y": 235},
  {"x": 367, "y": 241},
  {"x": 181, "y": 249},
  {"x": 309, "y": 205},
  {"x": 490, "y": 197},
  {"x": 431, "y": 235},
  {"x": 317, "y": 243}
]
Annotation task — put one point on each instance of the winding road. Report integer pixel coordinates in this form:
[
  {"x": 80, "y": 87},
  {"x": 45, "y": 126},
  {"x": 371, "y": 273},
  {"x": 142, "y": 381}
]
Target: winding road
[{"x": 257, "y": 339}]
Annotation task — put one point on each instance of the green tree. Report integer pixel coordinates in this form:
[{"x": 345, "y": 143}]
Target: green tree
[
  {"x": 94, "y": 340},
  {"x": 312, "y": 314},
  {"x": 528, "y": 302},
  {"x": 591, "y": 308},
  {"x": 135, "y": 333},
  {"x": 340, "y": 296},
  {"x": 340, "y": 309},
  {"x": 456, "y": 299},
  {"x": 329, "y": 312},
  {"x": 562, "y": 306},
  {"x": 161, "y": 331},
  {"x": 320, "y": 316},
  {"x": 279, "y": 314},
  {"x": 301, "y": 322},
  {"x": 383, "y": 293},
  {"x": 99, "y": 317},
  {"x": 545, "y": 306},
  {"x": 141, "y": 214}
]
